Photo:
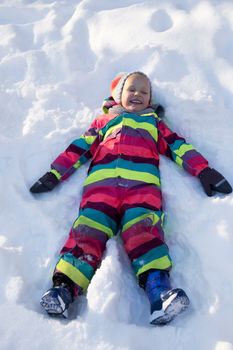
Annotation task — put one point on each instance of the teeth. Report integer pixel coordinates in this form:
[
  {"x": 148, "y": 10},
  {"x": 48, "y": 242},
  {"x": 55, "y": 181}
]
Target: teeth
[{"x": 136, "y": 101}]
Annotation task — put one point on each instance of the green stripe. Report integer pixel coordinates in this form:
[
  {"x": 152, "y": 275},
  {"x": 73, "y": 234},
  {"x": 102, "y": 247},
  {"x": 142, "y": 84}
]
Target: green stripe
[
  {"x": 126, "y": 174},
  {"x": 148, "y": 118},
  {"x": 128, "y": 165},
  {"x": 112, "y": 129},
  {"x": 151, "y": 256},
  {"x": 163, "y": 263},
  {"x": 115, "y": 121},
  {"x": 154, "y": 115},
  {"x": 99, "y": 217},
  {"x": 176, "y": 145},
  {"x": 179, "y": 161},
  {"x": 75, "y": 275},
  {"x": 142, "y": 125},
  {"x": 133, "y": 213},
  {"x": 183, "y": 149},
  {"x": 56, "y": 173},
  {"x": 134, "y": 121},
  {"x": 86, "y": 269},
  {"x": 77, "y": 164},
  {"x": 83, "y": 159},
  {"x": 81, "y": 142},
  {"x": 88, "y": 139},
  {"x": 152, "y": 216},
  {"x": 82, "y": 220}
]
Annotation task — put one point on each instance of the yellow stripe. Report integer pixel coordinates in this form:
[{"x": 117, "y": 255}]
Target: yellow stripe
[
  {"x": 143, "y": 125},
  {"x": 83, "y": 220},
  {"x": 88, "y": 139},
  {"x": 77, "y": 164},
  {"x": 112, "y": 129},
  {"x": 56, "y": 173},
  {"x": 179, "y": 161},
  {"x": 74, "y": 274},
  {"x": 183, "y": 149},
  {"x": 162, "y": 218},
  {"x": 154, "y": 218},
  {"x": 158, "y": 264},
  {"x": 149, "y": 114},
  {"x": 126, "y": 174}
]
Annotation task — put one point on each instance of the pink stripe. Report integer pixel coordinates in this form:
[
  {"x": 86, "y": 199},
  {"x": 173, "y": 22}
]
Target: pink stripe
[
  {"x": 141, "y": 229},
  {"x": 90, "y": 246},
  {"x": 164, "y": 130},
  {"x": 66, "y": 159},
  {"x": 70, "y": 243},
  {"x": 136, "y": 241},
  {"x": 134, "y": 141},
  {"x": 113, "y": 148},
  {"x": 102, "y": 120},
  {"x": 142, "y": 198},
  {"x": 196, "y": 164},
  {"x": 146, "y": 194},
  {"x": 100, "y": 197}
]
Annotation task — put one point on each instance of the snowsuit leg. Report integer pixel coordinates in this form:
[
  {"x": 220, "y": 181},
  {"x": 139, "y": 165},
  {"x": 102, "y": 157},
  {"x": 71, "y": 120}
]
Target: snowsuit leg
[
  {"x": 142, "y": 229},
  {"x": 97, "y": 222}
]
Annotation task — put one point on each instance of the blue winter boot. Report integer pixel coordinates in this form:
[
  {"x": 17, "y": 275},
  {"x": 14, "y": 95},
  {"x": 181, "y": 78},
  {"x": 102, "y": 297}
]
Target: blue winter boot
[
  {"x": 166, "y": 303},
  {"x": 57, "y": 300}
]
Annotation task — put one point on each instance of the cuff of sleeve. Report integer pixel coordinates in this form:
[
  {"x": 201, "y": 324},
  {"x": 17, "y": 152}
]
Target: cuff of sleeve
[
  {"x": 56, "y": 173},
  {"x": 202, "y": 170}
]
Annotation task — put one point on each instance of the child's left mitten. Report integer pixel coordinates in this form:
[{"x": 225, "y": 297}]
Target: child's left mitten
[
  {"x": 45, "y": 183},
  {"x": 212, "y": 181}
]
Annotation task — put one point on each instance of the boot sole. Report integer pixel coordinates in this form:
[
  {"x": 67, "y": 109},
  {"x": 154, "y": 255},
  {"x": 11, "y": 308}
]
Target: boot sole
[
  {"x": 178, "y": 306},
  {"x": 53, "y": 306}
]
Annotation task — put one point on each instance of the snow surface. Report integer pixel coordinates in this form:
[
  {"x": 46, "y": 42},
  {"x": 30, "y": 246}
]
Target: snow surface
[{"x": 56, "y": 62}]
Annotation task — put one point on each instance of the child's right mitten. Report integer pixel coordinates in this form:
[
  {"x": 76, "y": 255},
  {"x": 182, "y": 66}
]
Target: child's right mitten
[
  {"x": 45, "y": 183},
  {"x": 212, "y": 181}
]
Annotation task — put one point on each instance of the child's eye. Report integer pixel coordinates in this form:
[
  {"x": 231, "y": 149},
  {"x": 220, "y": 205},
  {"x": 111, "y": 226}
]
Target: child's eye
[{"x": 144, "y": 92}]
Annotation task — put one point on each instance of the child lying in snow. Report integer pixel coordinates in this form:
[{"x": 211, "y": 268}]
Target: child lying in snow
[{"x": 122, "y": 191}]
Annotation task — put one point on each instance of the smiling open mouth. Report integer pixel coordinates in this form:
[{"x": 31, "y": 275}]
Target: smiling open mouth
[{"x": 136, "y": 101}]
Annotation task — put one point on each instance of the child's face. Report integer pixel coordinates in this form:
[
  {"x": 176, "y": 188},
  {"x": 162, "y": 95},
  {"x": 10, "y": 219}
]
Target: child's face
[{"x": 136, "y": 93}]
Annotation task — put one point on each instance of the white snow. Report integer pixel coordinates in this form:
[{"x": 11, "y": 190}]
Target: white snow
[{"x": 57, "y": 58}]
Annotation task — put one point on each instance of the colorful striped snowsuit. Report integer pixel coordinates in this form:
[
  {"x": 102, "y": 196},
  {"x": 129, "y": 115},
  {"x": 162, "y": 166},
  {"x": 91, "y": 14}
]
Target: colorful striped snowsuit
[{"x": 121, "y": 192}]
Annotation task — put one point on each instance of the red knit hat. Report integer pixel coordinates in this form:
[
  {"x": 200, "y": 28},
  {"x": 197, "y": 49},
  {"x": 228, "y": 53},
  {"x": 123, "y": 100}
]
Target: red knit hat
[{"x": 117, "y": 85}]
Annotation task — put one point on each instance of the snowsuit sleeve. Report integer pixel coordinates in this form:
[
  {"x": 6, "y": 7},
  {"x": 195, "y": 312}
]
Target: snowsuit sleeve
[
  {"x": 77, "y": 153},
  {"x": 176, "y": 148}
]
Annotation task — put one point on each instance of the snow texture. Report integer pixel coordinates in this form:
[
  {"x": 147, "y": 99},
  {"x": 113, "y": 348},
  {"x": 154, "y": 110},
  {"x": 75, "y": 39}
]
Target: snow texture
[{"x": 57, "y": 58}]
